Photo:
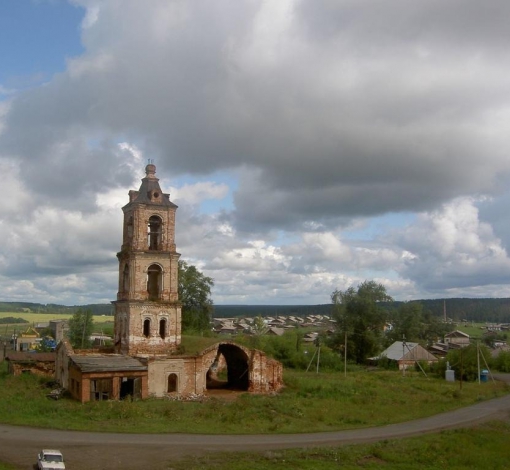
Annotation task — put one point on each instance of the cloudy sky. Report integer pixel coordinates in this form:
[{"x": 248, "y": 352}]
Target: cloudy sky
[{"x": 310, "y": 145}]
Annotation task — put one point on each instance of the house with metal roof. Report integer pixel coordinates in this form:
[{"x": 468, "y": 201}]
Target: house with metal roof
[{"x": 406, "y": 354}]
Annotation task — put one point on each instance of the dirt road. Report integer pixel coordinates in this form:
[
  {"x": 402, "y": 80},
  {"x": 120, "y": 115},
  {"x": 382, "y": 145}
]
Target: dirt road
[{"x": 86, "y": 451}]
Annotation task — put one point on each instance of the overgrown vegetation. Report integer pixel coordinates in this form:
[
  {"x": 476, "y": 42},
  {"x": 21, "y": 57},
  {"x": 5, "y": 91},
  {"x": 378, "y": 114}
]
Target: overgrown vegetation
[
  {"x": 310, "y": 402},
  {"x": 466, "y": 362}
]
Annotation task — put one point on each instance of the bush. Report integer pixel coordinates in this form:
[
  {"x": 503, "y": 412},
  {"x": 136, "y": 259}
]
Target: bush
[
  {"x": 502, "y": 362},
  {"x": 388, "y": 364},
  {"x": 465, "y": 361}
]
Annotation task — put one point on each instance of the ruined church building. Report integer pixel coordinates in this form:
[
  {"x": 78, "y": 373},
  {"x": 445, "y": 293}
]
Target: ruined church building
[{"x": 147, "y": 329}]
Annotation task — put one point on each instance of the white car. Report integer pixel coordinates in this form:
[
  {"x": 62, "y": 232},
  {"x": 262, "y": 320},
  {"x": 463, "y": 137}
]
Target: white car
[{"x": 50, "y": 459}]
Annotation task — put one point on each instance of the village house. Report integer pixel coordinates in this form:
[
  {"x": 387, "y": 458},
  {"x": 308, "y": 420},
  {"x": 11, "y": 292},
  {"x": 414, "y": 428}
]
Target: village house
[
  {"x": 406, "y": 354},
  {"x": 28, "y": 340},
  {"x": 456, "y": 339}
]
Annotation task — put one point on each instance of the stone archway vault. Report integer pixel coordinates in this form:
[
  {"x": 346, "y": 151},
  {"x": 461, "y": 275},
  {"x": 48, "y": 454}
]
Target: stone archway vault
[{"x": 246, "y": 369}]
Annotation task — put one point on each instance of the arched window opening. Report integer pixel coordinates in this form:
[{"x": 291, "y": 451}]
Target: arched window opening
[
  {"x": 172, "y": 383},
  {"x": 154, "y": 233},
  {"x": 162, "y": 328},
  {"x": 125, "y": 279},
  {"x": 146, "y": 327},
  {"x": 154, "y": 281},
  {"x": 130, "y": 228}
]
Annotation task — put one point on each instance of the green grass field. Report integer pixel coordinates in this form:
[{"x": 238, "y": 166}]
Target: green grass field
[
  {"x": 484, "y": 446},
  {"x": 310, "y": 402},
  {"x": 6, "y": 329}
]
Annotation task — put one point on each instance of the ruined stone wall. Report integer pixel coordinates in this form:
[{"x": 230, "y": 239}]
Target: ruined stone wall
[
  {"x": 75, "y": 385},
  {"x": 44, "y": 369},
  {"x": 185, "y": 367},
  {"x": 129, "y": 328},
  {"x": 63, "y": 351},
  {"x": 265, "y": 374}
]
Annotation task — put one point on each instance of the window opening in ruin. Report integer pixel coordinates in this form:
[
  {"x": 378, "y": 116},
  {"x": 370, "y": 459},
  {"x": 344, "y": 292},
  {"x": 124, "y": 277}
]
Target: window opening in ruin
[
  {"x": 154, "y": 278},
  {"x": 101, "y": 389},
  {"x": 146, "y": 327},
  {"x": 125, "y": 278},
  {"x": 162, "y": 328},
  {"x": 154, "y": 233},
  {"x": 172, "y": 383},
  {"x": 130, "y": 228}
]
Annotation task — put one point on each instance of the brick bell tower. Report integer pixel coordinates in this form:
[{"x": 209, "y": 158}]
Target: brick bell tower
[{"x": 147, "y": 309}]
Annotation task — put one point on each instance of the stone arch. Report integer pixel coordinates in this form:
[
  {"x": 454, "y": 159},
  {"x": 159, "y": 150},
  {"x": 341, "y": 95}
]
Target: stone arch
[{"x": 232, "y": 357}]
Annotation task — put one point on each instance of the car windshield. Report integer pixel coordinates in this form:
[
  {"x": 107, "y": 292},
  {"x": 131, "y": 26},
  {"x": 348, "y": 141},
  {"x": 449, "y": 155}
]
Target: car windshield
[{"x": 53, "y": 458}]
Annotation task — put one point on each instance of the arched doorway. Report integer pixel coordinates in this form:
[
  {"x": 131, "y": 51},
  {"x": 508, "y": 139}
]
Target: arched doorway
[{"x": 229, "y": 370}]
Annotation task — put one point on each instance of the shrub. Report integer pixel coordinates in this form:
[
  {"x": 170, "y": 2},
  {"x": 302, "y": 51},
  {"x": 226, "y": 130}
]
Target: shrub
[
  {"x": 465, "y": 361},
  {"x": 502, "y": 362}
]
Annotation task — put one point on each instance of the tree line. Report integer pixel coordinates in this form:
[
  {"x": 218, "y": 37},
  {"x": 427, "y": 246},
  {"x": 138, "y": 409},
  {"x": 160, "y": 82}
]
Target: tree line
[{"x": 495, "y": 310}]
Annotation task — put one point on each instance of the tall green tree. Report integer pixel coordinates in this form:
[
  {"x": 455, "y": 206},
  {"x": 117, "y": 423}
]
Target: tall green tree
[
  {"x": 360, "y": 318},
  {"x": 411, "y": 321},
  {"x": 81, "y": 325},
  {"x": 195, "y": 295}
]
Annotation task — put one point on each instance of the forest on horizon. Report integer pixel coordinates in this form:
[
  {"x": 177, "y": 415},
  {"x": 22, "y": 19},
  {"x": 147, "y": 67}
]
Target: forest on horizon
[{"x": 457, "y": 309}]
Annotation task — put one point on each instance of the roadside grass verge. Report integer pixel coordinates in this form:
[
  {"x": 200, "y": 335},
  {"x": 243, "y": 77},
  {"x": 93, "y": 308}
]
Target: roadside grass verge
[
  {"x": 484, "y": 446},
  {"x": 310, "y": 403},
  {"x": 6, "y": 466}
]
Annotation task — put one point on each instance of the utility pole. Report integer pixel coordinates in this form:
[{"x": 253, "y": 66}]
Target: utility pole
[
  {"x": 461, "y": 368},
  {"x": 478, "y": 358},
  {"x": 403, "y": 354},
  {"x": 345, "y": 354}
]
